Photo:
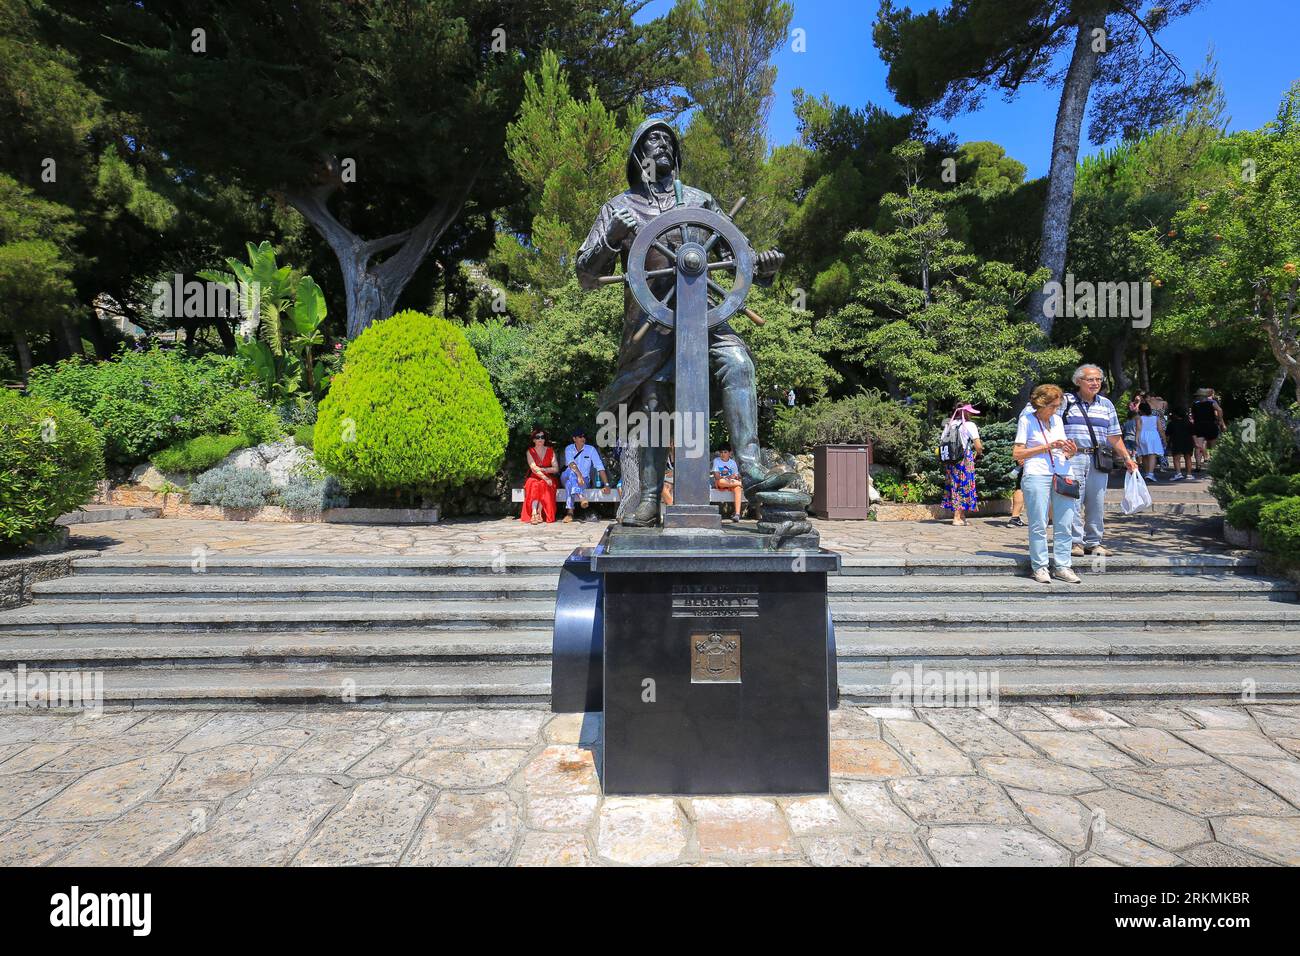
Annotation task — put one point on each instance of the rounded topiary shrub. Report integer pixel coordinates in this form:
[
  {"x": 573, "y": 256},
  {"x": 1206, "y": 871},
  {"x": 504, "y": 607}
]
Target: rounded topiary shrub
[
  {"x": 1279, "y": 526},
  {"x": 1275, "y": 485},
  {"x": 412, "y": 412},
  {"x": 50, "y": 459}
]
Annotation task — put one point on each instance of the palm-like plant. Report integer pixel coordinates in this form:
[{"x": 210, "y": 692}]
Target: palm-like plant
[{"x": 284, "y": 312}]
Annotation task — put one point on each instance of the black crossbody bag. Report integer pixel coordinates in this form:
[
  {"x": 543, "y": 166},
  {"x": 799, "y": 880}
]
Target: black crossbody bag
[
  {"x": 1067, "y": 486},
  {"x": 1103, "y": 456}
]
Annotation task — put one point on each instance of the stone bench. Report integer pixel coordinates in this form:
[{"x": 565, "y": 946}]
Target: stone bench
[{"x": 611, "y": 496}]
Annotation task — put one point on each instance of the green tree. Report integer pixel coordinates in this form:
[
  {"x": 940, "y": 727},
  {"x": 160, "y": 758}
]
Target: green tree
[
  {"x": 729, "y": 76},
  {"x": 571, "y": 155},
  {"x": 928, "y": 316},
  {"x": 1232, "y": 254},
  {"x": 946, "y": 59},
  {"x": 36, "y": 236},
  {"x": 381, "y": 123}
]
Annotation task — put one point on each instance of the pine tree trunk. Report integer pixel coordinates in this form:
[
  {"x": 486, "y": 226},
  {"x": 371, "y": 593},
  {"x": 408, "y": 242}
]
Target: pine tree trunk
[
  {"x": 24, "y": 354},
  {"x": 1065, "y": 156},
  {"x": 227, "y": 336},
  {"x": 71, "y": 337},
  {"x": 1118, "y": 351},
  {"x": 1183, "y": 379}
]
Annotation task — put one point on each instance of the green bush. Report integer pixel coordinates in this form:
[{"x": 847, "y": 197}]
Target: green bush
[
  {"x": 1250, "y": 449},
  {"x": 894, "y": 429},
  {"x": 1271, "y": 485},
  {"x": 144, "y": 401},
  {"x": 198, "y": 453},
  {"x": 412, "y": 411},
  {"x": 1279, "y": 526},
  {"x": 232, "y": 487},
  {"x": 303, "y": 434},
  {"x": 1244, "y": 512},
  {"x": 50, "y": 459}
]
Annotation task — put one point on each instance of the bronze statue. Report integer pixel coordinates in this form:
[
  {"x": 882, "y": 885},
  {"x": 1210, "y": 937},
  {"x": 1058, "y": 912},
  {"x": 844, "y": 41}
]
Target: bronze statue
[{"x": 646, "y": 365}]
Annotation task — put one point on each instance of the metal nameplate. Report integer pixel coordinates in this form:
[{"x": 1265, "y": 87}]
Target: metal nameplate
[
  {"x": 715, "y": 657},
  {"x": 706, "y": 600}
]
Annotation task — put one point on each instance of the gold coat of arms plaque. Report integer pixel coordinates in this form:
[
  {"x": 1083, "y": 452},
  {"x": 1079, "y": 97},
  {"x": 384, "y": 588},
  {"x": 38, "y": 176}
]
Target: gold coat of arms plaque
[{"x": 715, "y": 657}]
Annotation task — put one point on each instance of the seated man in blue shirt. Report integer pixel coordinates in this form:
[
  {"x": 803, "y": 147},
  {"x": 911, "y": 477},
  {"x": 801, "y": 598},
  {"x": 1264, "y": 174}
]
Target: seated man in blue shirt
[
  {"x": 726, "y": 477},
  {"x": 581, "y": 462}
]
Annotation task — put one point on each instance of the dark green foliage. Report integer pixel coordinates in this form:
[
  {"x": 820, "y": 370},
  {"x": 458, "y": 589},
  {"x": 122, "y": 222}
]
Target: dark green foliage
[
  {"x": 893, "y": 429},
  {"x": 412, "y": 412},
  {"x": 50, "y": 459},
  {"x": 302, "y": 435},
  {"x": 1244, "y": 512},
  {"x": 1279, "y": 526},
  {"x": 1250, "y": 449},
  {"x": 144, "y": 401},
  {"x": 1276, "y": 486},
  {"x": 198, "y": 453}
]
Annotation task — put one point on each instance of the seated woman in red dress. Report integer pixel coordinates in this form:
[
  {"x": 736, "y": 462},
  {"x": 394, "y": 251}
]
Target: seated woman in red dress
[{"x": 539, "y": 489}]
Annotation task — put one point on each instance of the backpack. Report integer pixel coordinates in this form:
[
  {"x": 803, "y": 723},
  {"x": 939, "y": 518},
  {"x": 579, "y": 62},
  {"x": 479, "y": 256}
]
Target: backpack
[{"x": 952, "y": 447}]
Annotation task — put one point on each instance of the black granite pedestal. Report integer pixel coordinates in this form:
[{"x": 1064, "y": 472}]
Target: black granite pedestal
[{"x": 718, "y": 666}]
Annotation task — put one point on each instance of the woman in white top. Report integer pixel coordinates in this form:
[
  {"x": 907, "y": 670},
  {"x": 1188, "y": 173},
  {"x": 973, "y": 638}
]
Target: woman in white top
[{"x": 1043, "y": 450}]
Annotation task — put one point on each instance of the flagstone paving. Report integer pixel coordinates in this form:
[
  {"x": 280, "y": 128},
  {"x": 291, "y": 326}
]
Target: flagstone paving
[
  {"x": 1164, "y": 784},
  {"x": 1138, "y": 535}
]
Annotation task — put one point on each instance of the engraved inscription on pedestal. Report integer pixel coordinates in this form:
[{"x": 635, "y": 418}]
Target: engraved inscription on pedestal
[
  {"x": 715, "y": 657},
  {"x": 707, "y": 600}
]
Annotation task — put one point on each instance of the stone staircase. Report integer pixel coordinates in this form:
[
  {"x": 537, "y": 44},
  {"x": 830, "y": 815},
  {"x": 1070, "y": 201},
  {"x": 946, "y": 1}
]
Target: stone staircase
[{"x": 456, "y": 630}]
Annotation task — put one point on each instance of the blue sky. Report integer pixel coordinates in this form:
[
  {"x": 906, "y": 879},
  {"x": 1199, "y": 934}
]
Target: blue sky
[{"x": 1253, "y": 42}]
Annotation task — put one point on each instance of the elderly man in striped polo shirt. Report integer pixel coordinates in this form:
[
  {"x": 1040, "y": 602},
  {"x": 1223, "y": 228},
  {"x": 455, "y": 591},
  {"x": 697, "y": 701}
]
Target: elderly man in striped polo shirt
[{"x": 1090, "y": 421}]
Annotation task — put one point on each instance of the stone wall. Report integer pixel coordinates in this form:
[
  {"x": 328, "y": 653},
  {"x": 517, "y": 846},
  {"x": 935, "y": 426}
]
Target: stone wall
[{"x": 17, "y": 575}]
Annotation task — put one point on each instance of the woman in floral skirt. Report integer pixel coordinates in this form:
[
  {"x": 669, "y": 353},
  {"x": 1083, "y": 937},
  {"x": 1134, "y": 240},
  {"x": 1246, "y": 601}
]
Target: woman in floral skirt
[{"x": 959, "y": 495}]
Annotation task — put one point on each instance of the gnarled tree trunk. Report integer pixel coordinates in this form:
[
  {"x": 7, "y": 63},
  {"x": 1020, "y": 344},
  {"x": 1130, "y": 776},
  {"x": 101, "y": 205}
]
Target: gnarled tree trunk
[{"x": 372, "y": 291}]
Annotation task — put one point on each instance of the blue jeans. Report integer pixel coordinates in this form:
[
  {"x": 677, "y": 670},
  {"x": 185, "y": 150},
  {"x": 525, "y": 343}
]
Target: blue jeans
[
  {"x": 1090, "y": 510},
  {"x": 1038, "y": 498},
  {"x": 573, "y": 490}
]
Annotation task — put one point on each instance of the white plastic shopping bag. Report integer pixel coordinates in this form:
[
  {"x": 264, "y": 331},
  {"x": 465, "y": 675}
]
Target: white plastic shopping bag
[{"x": 1136, "y": 496}]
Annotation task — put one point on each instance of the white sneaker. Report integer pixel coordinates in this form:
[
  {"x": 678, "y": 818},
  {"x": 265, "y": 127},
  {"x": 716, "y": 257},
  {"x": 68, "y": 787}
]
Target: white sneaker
[
  {"x": 1151, "y": 478},
  {"x": 1178, "y": 476},
  {"x": 1066, "y": 575},
  {"x": 1042, "y": 576}
]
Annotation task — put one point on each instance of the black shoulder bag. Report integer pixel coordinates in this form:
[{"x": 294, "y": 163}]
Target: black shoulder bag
[{"x": 1103, "y": 456}]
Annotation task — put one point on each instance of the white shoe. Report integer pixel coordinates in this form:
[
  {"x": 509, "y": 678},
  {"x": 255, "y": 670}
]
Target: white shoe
[
  {"x": 1042, "y": 576},
  {"x": 1151, "y": 478},
  {"x": 1178, "y": 476},
  {"x": 1066, "y": 575}
]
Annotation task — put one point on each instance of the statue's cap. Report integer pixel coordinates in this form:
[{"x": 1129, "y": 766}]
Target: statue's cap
[{"x": 633, "y": 163}]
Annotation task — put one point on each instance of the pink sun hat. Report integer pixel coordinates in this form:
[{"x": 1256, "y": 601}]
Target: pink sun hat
[{"x": 965, "y": 408}]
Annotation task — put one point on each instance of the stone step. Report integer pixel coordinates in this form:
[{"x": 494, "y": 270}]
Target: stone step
[
  {"x": 539, "y": 585},
  {"x": 1090, "y": 648},
  {"x": 1019, "y": 616},
  {"x": 875, "y": 684},
  {"x": 214, "y": 562},
  {"x": 234, "y": 587},
  {"x": 118, "y": 617},
  {"x": 500, "y": 562},
  {"x": 949, "y": 615},
  {"x": 186, "y": 648},
  {"x": 529, "y": 684},
  {"x": 95, "y": 513},
  {"x": 1225, "y": 563},
  {"x": 346, "y": 686},
  {"x": 899, "y": 649}
]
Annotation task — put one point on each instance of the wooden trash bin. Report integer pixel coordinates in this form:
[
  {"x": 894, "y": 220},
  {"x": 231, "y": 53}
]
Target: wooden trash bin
[{"x": 841, "y": 478}]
